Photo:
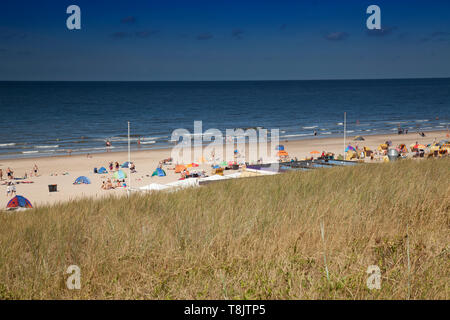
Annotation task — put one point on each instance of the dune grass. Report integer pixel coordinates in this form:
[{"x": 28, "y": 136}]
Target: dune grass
[{"x": 255, "y": 238}]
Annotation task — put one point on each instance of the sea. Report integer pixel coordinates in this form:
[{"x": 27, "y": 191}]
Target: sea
[{"x": 56, "y": 118}]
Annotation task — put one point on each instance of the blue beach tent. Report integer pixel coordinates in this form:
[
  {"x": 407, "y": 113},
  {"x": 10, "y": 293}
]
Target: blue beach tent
[
  {"x": 19, "y": 202},
  {"x": 102, "y": 170},
  {"x": 159, "y": 172},
  {"x": 125, "y": 165},
  {"x": 279, "y": 147},
  {"x": 82, "y": 180}
]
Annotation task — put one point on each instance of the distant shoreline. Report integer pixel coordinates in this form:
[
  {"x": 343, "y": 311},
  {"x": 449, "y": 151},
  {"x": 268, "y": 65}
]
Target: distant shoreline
[{"x": 309, "y": 139}]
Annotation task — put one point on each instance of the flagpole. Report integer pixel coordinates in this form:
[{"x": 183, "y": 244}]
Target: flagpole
[
  {"x": 345, "y": 129},
  {"x": 129, "y": 162}
]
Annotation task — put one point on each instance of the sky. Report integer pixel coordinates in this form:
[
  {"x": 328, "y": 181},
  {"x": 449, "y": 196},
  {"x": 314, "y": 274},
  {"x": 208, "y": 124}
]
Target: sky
[{"x": 195, "y": 40}]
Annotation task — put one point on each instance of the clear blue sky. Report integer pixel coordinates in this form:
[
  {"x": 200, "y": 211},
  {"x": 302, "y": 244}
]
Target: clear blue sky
[{"x": 223, "y": 40}]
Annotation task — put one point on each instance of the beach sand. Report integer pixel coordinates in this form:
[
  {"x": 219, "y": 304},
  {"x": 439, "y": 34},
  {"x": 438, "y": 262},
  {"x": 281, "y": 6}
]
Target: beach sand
[{"x": 146, "y": 162}]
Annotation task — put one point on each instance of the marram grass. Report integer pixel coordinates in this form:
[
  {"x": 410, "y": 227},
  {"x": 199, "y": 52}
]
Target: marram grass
[{"x": 255, "y": 238}]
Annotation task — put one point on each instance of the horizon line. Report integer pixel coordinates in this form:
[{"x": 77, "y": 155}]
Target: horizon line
[{"x": 246, "y": 80}]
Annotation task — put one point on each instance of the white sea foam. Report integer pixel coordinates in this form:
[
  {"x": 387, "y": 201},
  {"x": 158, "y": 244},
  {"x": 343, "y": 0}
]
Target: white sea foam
[
  {"x": 7, "y": 144},
  {"x": 25, "y": 152},
  {"x": 312, "y": 127},
  {"x": 296, "y": 135},
  {"x": 148, "y": 142},
  {"x": 153, "y": 138},
  {"x": 328, "y": 132},
  {"x": 46, "y": 147}
]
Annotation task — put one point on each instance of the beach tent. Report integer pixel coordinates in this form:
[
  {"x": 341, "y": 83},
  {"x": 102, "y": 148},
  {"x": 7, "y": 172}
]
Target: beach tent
[
  {"x": 159, "y": 172},
  {"x": 279, "y": 147},
  {"x": 120, "y": 174},
  {"x": 82, "y": 180},
  {"x": 125, "y": 165},
  {"x": 179, "y": 168},
  {"x": 349, "y": 148},
  {"x": 402, "y": 148},
  {"x": 19, "y": 202},
  {"x": 359, "y": 138},
  {"x": 102, "y": 170}
]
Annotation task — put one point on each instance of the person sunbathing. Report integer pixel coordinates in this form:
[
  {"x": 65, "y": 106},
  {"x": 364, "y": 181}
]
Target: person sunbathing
[{"x": 109, "y": 185}]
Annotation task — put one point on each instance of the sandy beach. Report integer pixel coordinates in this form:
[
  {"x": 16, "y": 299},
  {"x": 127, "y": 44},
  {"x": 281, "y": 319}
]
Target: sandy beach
[{"x": 63, "y": 170}]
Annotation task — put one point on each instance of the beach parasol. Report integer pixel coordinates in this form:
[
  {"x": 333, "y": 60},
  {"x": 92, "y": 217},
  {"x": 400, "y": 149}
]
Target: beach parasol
[
  {"x": 315, "y": 152},
  {"x": 420, "y": 146},
  {"x": 279, "y": 147},
  {"x": 223, "y": 164},
  {"x": 282, "y": 153}
]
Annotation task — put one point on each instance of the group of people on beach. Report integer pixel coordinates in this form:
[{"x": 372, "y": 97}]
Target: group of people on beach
[
  {"x": 115, "y": 166},
  {"x": 10, "y": 173},
  {"x": 108, "y": 184}
]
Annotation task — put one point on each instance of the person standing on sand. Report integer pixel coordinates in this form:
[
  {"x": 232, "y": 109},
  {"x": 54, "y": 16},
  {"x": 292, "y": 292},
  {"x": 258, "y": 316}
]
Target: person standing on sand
[
  {"x": 9, "y": 173},
  {"x": 11, "y": 189},
  {"x": 35, "y": 169},
  {"x": 108, "y": 145},
  {"x": 1, "y": 174}
]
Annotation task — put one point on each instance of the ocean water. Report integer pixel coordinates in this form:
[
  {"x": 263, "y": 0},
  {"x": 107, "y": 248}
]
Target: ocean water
[{"x": 49, "y": 118}]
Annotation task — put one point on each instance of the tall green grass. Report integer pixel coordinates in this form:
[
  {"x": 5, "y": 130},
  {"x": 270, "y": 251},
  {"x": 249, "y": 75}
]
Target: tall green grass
[{"x": 255, "y": 238}]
